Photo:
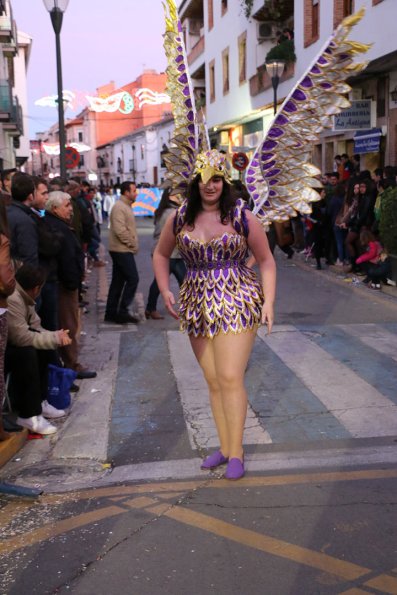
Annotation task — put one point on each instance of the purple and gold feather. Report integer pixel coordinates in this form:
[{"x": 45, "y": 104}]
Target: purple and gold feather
[
  {"x": 280, "y": 177},
  {"x": 184, "y": 145}
]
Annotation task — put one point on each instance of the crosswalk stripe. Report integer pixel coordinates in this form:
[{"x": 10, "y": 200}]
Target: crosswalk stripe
[
  {"x": 377, "y": 338},
  {"x": 194, "y": 396},
  {"x": 355, "y": 403}
]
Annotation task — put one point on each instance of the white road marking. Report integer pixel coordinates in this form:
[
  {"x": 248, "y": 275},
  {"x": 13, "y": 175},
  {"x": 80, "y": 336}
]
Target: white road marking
[
  {"x": 194, "y": 396},
  {"x": 355, "y": 403},
  {"x": 375, "y": 337}
]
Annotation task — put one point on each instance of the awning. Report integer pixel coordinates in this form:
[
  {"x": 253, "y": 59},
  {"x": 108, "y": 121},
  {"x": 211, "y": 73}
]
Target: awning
[{"x": 367, "y": 141}]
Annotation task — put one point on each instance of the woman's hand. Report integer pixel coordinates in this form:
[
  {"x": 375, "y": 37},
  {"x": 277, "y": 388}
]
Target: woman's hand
[
  {"x": 268, "y": 316},
  {"x": 169, "y": 302}
]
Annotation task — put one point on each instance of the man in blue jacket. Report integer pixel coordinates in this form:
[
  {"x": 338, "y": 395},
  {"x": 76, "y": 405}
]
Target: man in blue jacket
[{"x": 24, "y": 241}]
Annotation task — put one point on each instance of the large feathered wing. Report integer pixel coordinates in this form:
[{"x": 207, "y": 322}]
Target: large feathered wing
[
  {"x": 185, "y": 143},
  {"x": 280, "y": 177}
]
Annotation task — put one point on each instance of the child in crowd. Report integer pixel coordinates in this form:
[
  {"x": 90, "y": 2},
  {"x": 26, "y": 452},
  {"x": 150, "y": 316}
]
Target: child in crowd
[{"x": 374, "y": 261}]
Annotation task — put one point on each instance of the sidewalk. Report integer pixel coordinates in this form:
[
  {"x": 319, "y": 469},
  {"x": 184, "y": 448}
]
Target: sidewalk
[
  {"x": 82, "y": 439},
  {"x": 337, "y": 275}
]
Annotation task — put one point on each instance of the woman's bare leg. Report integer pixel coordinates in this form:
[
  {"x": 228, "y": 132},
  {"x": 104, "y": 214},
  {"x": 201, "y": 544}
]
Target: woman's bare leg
[
  {"x": 203, "y": 349},
  {"x": 231, "y": 354}
]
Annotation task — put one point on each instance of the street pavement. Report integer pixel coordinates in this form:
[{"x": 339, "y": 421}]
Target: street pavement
[{"x": 126, "y": 508}]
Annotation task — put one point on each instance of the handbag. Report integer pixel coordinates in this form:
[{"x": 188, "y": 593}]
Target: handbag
[{"x": 60, "y": 381}]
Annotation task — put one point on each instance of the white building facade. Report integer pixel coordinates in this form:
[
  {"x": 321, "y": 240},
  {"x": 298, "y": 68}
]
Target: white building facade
[
  {"x": 227, "y": 52},
  {"x": 137, "y": 156},
  {"x": 14, "y": 59}
]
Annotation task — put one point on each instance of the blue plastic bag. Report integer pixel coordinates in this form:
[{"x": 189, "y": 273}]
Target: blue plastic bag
[{"x": 59, "y": 382}]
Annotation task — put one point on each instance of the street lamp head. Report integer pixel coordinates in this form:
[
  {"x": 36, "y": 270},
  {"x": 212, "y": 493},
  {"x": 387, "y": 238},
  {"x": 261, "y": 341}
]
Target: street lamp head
[
  {"x": 275, "y": 68},
  {"x": 60, "y": 5}
]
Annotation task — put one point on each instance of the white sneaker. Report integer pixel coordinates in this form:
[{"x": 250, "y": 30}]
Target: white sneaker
[
  {"x": 37, "y": 424},
  {"x": 339, "y": 263},
  {"x": 48, "y": 410}
]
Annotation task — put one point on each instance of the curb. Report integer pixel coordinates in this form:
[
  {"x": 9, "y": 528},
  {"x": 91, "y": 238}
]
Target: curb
[{"x": 10, "y": 447}]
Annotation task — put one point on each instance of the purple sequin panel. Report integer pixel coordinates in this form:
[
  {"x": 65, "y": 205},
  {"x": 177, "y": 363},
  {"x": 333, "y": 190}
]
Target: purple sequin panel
[
  {"x": 307, "y": 82},
  {"x": 315, "y": 70},
  {"x": 326, "y": 85},
  {"x": 179, "y": 59},
  {"x": 322, "y": 60},
  {"x": 290, "y": 107},
  {"x": 266, "y": 156},
  {"x": 299, "y": 95},
  {"x": 268, "y": 146},
  {"x": 275, "y": 132},
  {"x": 272, "y": 172},
  {"x": 181, "y": 68},
  {"x": 268, "y": 165},
  {"x": 183, "y": 79},
  {"x": 281, "y": 120}
]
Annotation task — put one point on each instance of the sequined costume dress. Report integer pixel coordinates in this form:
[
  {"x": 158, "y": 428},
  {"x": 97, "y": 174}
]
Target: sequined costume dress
[{"x": 219, "y": 293}]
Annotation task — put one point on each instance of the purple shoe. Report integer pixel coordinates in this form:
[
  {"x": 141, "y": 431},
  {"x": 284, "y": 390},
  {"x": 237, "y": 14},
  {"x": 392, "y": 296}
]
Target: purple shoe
[
  {"x": 214, "y": 460},
  {"x": 235, "y": 469}
]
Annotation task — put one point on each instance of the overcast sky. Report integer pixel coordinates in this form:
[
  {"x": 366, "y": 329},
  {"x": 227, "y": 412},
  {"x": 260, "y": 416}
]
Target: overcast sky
[{"x": 101, "y": 41}]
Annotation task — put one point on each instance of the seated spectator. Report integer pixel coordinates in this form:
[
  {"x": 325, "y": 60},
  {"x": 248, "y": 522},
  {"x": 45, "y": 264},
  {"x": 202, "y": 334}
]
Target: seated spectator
[
  {"x": 27, "y": 352},
  {"x": 374, "y": 261},
  {"x": 7, "y": 286}
]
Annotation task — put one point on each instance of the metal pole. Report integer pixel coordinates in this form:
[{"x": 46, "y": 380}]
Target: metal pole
[
  {"x": 56, "y": 19},
  {"x": 275, "y": 82}
]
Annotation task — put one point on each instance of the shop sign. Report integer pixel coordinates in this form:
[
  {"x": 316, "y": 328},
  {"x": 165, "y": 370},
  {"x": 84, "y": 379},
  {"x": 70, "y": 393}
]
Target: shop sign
[
  {"x": 355, "y": 117},
  {"x": 367, "y": 141}
]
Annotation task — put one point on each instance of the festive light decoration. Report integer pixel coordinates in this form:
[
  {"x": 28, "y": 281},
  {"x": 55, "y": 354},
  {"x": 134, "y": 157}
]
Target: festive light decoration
[
  {"x": 53, "y": 148},
  {"x": 121, "y": 101},
  {"x": 149, "y": 97},
  {"x": 52, "y": 100}
]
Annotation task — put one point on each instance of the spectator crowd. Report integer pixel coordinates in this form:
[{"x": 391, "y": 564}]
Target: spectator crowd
[{"x": 50, "y": 233}]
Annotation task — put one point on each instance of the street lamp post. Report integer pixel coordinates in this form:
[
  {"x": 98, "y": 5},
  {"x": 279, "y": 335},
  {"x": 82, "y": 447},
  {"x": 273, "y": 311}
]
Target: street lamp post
[
  {"x": 133, "y": 163},
  {"x": 275, "y": 69},
  {"x": 56, "y": 8}
]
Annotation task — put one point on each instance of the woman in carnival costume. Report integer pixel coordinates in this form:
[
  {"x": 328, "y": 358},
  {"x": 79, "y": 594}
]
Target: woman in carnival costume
[{"x": 222, "y": 302}]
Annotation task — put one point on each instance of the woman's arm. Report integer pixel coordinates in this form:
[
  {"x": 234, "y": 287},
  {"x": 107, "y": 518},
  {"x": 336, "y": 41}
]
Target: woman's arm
[
  {"x": 259, "y": 246},
  {"x": 161, "y": 264}
]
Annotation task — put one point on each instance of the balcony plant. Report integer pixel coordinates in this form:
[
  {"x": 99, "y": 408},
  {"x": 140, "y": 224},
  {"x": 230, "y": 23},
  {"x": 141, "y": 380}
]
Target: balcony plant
[
  {"x": 285, "y": 50},
  {"x": 388, "y": 226},
  {"x": 274, "y": 10}
]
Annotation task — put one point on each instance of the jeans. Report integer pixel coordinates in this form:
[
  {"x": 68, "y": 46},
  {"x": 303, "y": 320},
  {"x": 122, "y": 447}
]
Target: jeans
[
  {"x": 94, "y": 244},
  {"x": 48, "y": 307},
  {"x": 340, "y": 238},
  {"x": 123, "y": 286},
  {"x": 178, "y": 269},
  {"x": 29, "y": 378}
]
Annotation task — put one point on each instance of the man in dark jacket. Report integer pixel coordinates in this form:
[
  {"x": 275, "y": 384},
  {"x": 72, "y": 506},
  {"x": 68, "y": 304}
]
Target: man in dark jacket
[
  {"x": 49, "y": 245},
  {"x": 70, "y": 273},
  {"x": 23, "y": 229}
]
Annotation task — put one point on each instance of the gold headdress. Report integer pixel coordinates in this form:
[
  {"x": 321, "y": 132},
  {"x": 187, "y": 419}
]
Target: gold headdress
[{"x": 211, "y": 163}]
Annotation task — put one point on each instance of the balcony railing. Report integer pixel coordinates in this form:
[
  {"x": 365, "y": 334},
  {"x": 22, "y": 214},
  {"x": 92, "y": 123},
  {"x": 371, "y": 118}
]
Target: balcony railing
[
  {"x": 196, "y": 50},
  {"x": 262, "y": 82},
  {"x": 5, "y": 97},
  {"x": 10, "y": 110}
]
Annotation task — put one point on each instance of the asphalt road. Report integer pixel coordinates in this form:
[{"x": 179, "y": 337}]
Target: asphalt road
[{"x": 316, "y": 512}]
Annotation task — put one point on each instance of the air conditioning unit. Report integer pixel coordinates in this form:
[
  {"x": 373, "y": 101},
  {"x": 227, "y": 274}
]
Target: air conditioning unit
[{"x": 266, "y": 31}]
